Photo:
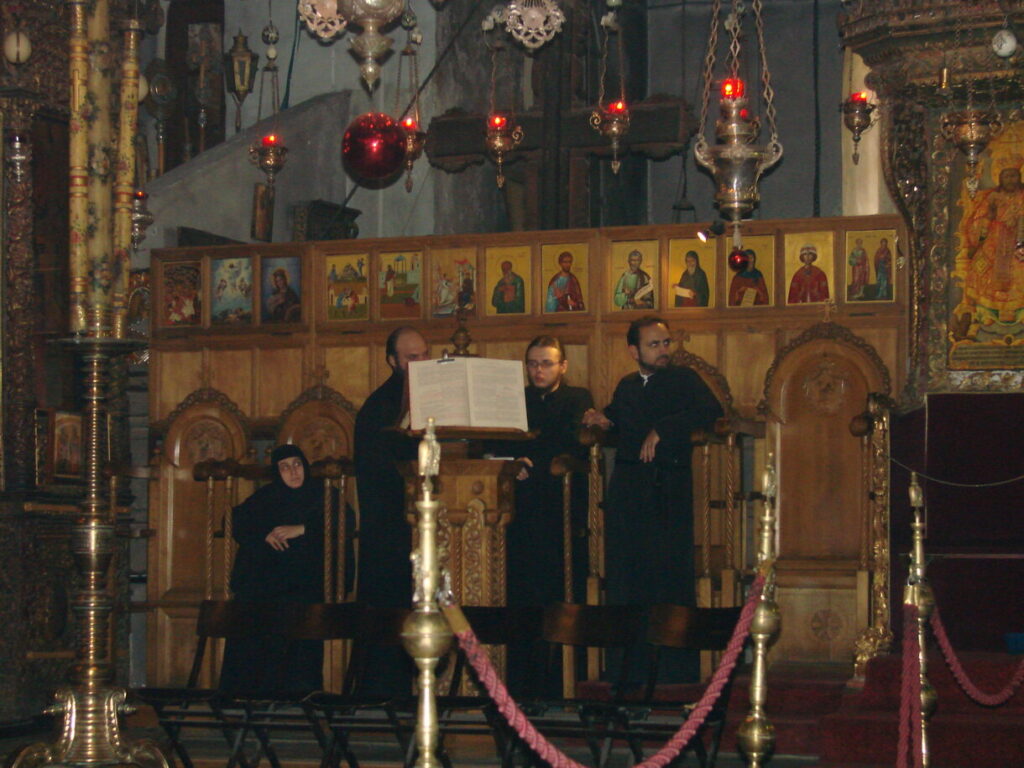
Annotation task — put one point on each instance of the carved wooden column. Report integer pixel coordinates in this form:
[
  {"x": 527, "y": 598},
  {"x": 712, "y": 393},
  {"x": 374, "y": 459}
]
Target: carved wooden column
[{"x": 21, "y": 306}]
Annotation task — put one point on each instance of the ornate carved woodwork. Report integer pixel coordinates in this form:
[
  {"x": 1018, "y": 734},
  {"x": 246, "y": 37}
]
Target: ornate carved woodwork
[
  {"x": 321, "y": 421},
  {"x": 206, "y": 425},
  {"x": 827, "y": 524}
]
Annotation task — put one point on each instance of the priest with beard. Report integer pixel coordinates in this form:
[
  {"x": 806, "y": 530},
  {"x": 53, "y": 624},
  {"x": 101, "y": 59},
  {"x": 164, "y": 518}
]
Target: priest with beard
[
  {"x": 649, "y": 507},
  {"x": 554, "y": 412},
  {"x": 385, "y": 538}
]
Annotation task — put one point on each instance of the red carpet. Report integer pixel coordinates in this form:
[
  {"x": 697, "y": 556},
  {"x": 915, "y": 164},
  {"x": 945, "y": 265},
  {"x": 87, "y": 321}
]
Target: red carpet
[{"x": 863, "y": 732}]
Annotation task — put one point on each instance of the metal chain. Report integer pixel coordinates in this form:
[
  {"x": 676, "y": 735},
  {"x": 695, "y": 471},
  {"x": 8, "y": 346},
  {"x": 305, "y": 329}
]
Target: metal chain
[
  {"x": 398, "y": 86},
  {"x": 734, "y": 34},
  {"x": 766, "y": 79},
  {"x": 622, "y": 66},
  {"x": 604, "y": 70},
  {"x": 709, "y": 67},
  {"x": 494, "y": 74}
]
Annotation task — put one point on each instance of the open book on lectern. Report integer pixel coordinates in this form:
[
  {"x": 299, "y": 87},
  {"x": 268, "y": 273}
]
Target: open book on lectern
[{"x": 467, "y": 392}]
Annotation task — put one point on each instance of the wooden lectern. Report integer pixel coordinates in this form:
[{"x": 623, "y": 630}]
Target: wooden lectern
[{"x": 478, "y": 497}]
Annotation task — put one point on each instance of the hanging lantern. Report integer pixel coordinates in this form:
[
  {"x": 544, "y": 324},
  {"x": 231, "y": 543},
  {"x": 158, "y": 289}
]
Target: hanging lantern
[
  {"x": 328, "y": 18},
  {"x": 971, "y": 130},
  {"x": 240, "y": 73},
  {"x": 373, "y": 147},
  {"x": 502, "y": 137},
  {"x": 533, "y": 22},
  {"x": 142, "y": 217},
  {"x": 611, "y": 120},
  {"x": 736, "y": 162},
  {"x": 857, "y": 117},
  {"x": 414, "y": 141}
]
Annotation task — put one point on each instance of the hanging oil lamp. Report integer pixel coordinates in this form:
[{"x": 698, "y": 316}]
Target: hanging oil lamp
[
  {"x": 611, "y": 119},
  {"x": 857, "y": 117}
]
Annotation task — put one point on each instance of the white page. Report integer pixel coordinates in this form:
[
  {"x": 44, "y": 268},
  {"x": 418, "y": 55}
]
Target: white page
[
  {"x": 496, "y": 394},
  {"x": 438, "y": 389}
]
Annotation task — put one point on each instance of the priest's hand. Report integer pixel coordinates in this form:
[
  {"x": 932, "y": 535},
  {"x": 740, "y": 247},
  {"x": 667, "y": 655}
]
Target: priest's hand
[
  {"x": 278, "y": 538},
  {"x": 647, "y": 449},
  {"x": 524, "y": 472},
  {"x": 594, "y": 418}
]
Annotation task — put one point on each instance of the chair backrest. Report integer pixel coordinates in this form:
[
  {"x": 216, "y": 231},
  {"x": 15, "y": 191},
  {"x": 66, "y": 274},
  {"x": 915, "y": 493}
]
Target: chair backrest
[
  {"x": 594, "y": 626},
  {"x": 497, "y": 625},
  {"x": 228, "y": 619},
  {"x": 686, "y": 627},
  {"x": 617, "y": 628},
  {"x": 376, "y": 626}
]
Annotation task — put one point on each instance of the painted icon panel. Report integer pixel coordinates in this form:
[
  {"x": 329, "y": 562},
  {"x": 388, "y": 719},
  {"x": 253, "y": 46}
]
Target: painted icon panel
[
  {"x": 400, "y": 284},
  {"x": 810, "y": 267},
  {"x": 182, "y": 297},
  {"x": 691, "y": 270},
  {"x": 565, "y": 270},
  {"x": 869, "y": 265},
  {"x": 508, "y": 277},
  {"x": 453, "y": 276},
  {"x": 634, "y": 272},
  {"x": 753, "y": 285},
  {"x": 281, "y": 292},
  {"x": 231, "y": 288},
  {"x": 348, "y": 295}
]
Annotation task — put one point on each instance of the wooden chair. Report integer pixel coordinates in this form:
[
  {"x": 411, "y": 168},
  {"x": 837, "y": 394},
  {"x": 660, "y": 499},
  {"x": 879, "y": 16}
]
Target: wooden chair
[
  {"x": 237, "y": 717},
  {"x": 666, "y": 706},
  {"x": 340, "y": 716}
]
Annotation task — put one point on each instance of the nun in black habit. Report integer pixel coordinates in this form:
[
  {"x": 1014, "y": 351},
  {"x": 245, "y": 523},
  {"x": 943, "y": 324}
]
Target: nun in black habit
[{"x": 280, "y": 535}]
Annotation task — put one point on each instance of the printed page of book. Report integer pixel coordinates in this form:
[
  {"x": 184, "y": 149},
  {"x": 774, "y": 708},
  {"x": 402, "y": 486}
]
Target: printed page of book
[
  {"x": 439, "y": 389},
  {"x": 496, "y": 395}
]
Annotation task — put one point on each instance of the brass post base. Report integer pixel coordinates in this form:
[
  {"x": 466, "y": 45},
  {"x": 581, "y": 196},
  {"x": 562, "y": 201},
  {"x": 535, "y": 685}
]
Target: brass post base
[{"x": 90, "y": 735}]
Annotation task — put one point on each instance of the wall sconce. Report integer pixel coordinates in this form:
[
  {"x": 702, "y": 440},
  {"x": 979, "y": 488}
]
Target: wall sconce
[{"x": 240, "y": 74}]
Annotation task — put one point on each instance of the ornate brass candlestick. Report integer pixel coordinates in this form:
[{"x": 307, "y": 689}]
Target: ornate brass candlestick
[
  {"x": 90, "y": 707},
  {"x": 756, "y": 735},
  {"x": 426, "y": 634},
  {"x": 919, "y": 592}
]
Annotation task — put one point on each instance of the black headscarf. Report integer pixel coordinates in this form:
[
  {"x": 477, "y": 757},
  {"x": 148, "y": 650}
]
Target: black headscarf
[{"x": 260, "y": 571}]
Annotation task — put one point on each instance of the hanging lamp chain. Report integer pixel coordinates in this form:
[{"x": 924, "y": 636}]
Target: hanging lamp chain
[
  {"x": 766, "y": 79},
  {"x": 709, "y": 69},
  {"x": 734, "y": 26}
]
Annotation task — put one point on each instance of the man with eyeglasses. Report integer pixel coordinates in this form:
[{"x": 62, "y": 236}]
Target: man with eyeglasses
[
  {"x": 649, "y": 507},
  {"x": 554, "y": 411}
]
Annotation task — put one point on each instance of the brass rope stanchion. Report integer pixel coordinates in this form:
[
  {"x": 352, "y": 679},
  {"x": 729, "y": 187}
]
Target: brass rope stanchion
[
  {"x": 756, "y": 735},
  {"x": 919, "y": 593},
  {"x": 426, "y": 634}
]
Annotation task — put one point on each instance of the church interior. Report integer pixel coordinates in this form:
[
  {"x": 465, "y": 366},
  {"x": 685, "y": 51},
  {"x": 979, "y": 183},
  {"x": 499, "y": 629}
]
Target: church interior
[{"x": 217, "y": 212}]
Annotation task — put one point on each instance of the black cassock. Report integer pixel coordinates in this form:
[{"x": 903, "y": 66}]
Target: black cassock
[
  {"x": 649, "y": 509},
  {"x": 535, "y": 536},
  {"x": 649, "y": 512},
  {"x": 385, "y": 538},
  {"x": 266, "y": 664}
]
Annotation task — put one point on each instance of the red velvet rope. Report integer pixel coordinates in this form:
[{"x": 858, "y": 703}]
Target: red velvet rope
[
  {"x": 556, "y": 758},
  {"x": 978, "y": 695}
]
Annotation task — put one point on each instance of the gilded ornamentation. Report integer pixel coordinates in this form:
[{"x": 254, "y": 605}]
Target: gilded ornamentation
[
  {"x": 472, "y": 568},
  {"x": 829, "y": 332},
  {"x": 877, "y": 638},
  {"x": 825, "y": 386}
]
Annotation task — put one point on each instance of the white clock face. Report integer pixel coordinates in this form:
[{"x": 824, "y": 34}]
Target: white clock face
[{"x": 1004, "y": 43}]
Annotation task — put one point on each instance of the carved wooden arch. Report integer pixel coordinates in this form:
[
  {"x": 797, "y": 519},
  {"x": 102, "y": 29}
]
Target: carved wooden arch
[
  {"x": 713, "y": 377},
  {"x": 321, "y": 421},
  {"x": 817, "y": 341},
  {"x": 205, "y": 425}
]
